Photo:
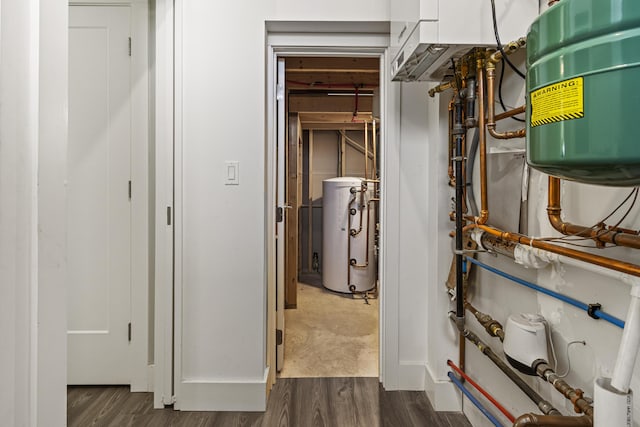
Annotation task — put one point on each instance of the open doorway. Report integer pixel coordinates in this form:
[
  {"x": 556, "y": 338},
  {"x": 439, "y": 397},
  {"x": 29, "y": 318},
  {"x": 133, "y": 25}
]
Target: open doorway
[{"x": 331, "y": 222}]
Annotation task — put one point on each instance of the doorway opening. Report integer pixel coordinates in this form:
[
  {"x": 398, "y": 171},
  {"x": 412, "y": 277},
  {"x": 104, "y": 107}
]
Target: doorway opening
[{"x": 331, "y": 217}]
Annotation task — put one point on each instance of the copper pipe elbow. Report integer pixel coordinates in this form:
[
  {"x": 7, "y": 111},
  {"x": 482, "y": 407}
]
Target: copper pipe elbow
[{"x": 534, "y": 420}]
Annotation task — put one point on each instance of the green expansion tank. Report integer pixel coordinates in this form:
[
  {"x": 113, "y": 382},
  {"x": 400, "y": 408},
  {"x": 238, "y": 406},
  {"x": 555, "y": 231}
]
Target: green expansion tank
[{"x": 583, "y": 91}]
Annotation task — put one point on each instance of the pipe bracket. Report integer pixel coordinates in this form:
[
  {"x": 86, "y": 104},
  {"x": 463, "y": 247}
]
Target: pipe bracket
[{"x": 591, "y": 311}]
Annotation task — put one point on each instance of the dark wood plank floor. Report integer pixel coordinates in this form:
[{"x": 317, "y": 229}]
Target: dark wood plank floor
[{"x": 306, "y": 402}]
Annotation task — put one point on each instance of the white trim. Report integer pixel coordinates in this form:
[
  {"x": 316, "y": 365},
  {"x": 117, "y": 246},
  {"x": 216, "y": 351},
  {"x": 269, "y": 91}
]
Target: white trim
[
  {"x": 443, "y": 395},
  {"x": 181, "y": 389},
  {"x": 349, "y": 44},
  {"x": 389, "y": 234},
  {"x": 411, "y": 376},
  {"x": 163, "y": 330},
  {"x": 140, "y": 195},
  {"x": 225, "y": 395}
]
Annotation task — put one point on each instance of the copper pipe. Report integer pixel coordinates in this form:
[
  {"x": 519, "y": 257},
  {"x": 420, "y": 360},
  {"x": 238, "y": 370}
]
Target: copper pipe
[
  {"x": 610, "y": 263},
  {"x": 353, "y": 199},
  {"x": 511, "y": 113},
  {"x": 484, "y": 203},
  {"x": 462, "y": 352},
  {"x": 535, "y": 420},
  {"x": 442, "y": 87},
  {"x": 366, "y": 264},
  {"x": 602, "y": 236},
  {"x": 492, "y": 326},
  {"x": 366, "y": 150},
  {"x": 491, "y": 120},
  {"x": 508, "y": 49},
  {"x": 374, "y": 173},
  {"x": 545, "y": 372}
]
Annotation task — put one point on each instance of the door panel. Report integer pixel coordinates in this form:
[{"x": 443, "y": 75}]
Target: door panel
[
  {"x": 280, "y": 226},
  {"x": 98, "y": 236}
]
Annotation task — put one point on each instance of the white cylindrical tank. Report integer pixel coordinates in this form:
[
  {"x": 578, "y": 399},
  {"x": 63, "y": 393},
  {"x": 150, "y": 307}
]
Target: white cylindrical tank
[{"x": 348, "y": 262}]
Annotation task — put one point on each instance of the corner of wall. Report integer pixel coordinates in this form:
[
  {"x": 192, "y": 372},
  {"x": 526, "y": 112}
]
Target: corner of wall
[{"x": 442, "y": 394}]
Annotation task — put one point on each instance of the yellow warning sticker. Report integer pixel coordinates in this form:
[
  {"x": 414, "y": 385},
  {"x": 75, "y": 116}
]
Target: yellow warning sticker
[{"x": 557, "y": 102}]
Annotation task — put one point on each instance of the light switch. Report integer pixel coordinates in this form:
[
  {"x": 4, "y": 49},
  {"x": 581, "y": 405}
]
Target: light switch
[{"x": 232, "y": 172}]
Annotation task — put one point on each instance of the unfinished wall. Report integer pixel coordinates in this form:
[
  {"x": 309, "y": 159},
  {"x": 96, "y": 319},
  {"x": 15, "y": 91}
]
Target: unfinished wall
[{"x": 325, "y": 165}]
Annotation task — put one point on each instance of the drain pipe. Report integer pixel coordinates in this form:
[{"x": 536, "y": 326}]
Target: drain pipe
[
  {"x": 458, "y": 131},
  {"x": 613, "y": 398}
]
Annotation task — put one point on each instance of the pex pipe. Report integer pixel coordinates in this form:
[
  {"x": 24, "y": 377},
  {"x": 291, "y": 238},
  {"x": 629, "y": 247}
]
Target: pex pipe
[
  {"x": 486, "y": 394},
  {"x": 475, "y": 401},
  {"x": 578, "y": 304}
]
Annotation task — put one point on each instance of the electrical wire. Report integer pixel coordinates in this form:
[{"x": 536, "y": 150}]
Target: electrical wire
[
  {"x": 491, "y": 399},
  {"x": 575, "y": 237},
  {"x": 474, "y": 400},
  {"x": 499, "y": 44},
  {"x": 564, "y": 298},
  {"x": 569, "y": 358},
  {"x": 504, "y": 108}
]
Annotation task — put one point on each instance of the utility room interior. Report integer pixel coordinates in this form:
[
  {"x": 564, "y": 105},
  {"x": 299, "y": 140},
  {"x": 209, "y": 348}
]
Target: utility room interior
[{"x": 333, "y": 141}]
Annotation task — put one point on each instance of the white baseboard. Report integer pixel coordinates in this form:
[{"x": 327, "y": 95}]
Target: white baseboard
[
  {"x": 442, "y": 393},
  {"x": 411, "y": 376},
  {"x": 223, "y": 395}
]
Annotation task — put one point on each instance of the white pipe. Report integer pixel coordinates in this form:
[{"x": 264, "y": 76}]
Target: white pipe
[
  {"x": 629, "y": 345},
  {"x": 611, "y": 408}
]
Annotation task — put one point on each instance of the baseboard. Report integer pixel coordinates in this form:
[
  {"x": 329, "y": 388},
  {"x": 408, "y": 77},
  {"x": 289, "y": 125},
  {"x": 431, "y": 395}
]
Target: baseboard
[
  {"x": 411, "y": 376},
  {"x": 442, "y": 393},
  {"x": 223, "y": 395}
]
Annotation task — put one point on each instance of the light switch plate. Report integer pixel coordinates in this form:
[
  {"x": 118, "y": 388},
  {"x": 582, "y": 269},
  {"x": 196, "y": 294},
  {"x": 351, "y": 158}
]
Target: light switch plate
[{"x": 232, "y": 172}]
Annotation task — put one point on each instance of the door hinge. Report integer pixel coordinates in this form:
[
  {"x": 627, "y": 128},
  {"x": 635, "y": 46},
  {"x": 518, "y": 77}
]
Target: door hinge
[
  {"x": 129, "y": 331},
  {"x": 279, "y": 214},
  {"x": 129, "y": 46},
  {"x": 168, "y": 215},
  {"x": 280, "y": 92},
  {"x": 129, "y": 189},
  {"x": 279, "y": 336}
]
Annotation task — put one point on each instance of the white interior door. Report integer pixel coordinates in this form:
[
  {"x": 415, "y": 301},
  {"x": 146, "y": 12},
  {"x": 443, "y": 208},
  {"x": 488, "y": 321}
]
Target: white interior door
[
  {"x": 280, "y": 229},
  {"x": 99, "y": 223}
]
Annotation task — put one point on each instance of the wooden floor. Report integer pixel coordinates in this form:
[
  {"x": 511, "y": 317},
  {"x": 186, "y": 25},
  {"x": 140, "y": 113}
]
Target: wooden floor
[{"x": 308, "y": 402}]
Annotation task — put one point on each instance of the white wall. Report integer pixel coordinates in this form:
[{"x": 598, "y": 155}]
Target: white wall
[
  {"x": 223, "y": 277},
  {"x": 582, "y": 204},
  {"x": 33, "y": 105}
]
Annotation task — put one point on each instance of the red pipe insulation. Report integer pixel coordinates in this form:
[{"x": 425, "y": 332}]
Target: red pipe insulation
[{"x": 483, "y": 391}]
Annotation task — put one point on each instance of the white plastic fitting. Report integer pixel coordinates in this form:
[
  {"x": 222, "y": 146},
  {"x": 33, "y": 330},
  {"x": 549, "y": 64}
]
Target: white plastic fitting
[{"x": 612, "y": 407}]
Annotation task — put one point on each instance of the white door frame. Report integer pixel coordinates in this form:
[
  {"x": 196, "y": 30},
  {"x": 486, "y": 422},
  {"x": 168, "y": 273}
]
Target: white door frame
[
  {"x": 337, "y": 43},
  {"x": 313, "y": 42},
  {"x": 141, "y": 380}
]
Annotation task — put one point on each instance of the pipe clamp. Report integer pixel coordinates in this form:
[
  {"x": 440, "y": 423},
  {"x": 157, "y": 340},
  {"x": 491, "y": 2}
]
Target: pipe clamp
[{"x": 591, "y": 311}]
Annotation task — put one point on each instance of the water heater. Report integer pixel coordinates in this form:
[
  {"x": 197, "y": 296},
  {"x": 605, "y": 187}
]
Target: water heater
[
  {"x": 348, "y": 232},
  {"x": 583, "y": 91}
]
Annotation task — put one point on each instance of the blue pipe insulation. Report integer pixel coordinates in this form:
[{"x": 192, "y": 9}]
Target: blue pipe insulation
[
  {"x": 475, "y": 401},
  {"x": 574, "y": 302}
]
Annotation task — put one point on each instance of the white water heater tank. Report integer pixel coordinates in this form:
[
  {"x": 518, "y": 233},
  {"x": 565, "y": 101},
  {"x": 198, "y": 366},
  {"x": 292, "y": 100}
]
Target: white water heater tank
[{"x": 348, "y": 261}]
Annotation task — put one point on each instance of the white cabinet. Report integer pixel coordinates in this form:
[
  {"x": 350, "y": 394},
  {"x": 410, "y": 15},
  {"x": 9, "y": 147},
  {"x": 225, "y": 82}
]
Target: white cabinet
[{"x": 427, "y": 33}]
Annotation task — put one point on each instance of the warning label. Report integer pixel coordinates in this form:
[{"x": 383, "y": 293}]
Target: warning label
[{"x": 557, "y": 102}]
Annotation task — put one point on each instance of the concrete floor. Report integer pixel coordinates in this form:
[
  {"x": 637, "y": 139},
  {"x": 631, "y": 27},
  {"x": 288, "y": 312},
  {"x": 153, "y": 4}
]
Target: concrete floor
[{"x": 330, "y": 335}]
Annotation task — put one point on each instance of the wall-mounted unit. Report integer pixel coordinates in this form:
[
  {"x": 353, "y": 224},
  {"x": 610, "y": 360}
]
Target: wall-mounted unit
[{"x": 428, "y": 33}]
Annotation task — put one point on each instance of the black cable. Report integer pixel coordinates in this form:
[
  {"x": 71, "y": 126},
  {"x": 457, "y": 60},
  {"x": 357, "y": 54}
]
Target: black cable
[
  {"x": 517, "y": 119},
  {"x": 495, "y": 31}
]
